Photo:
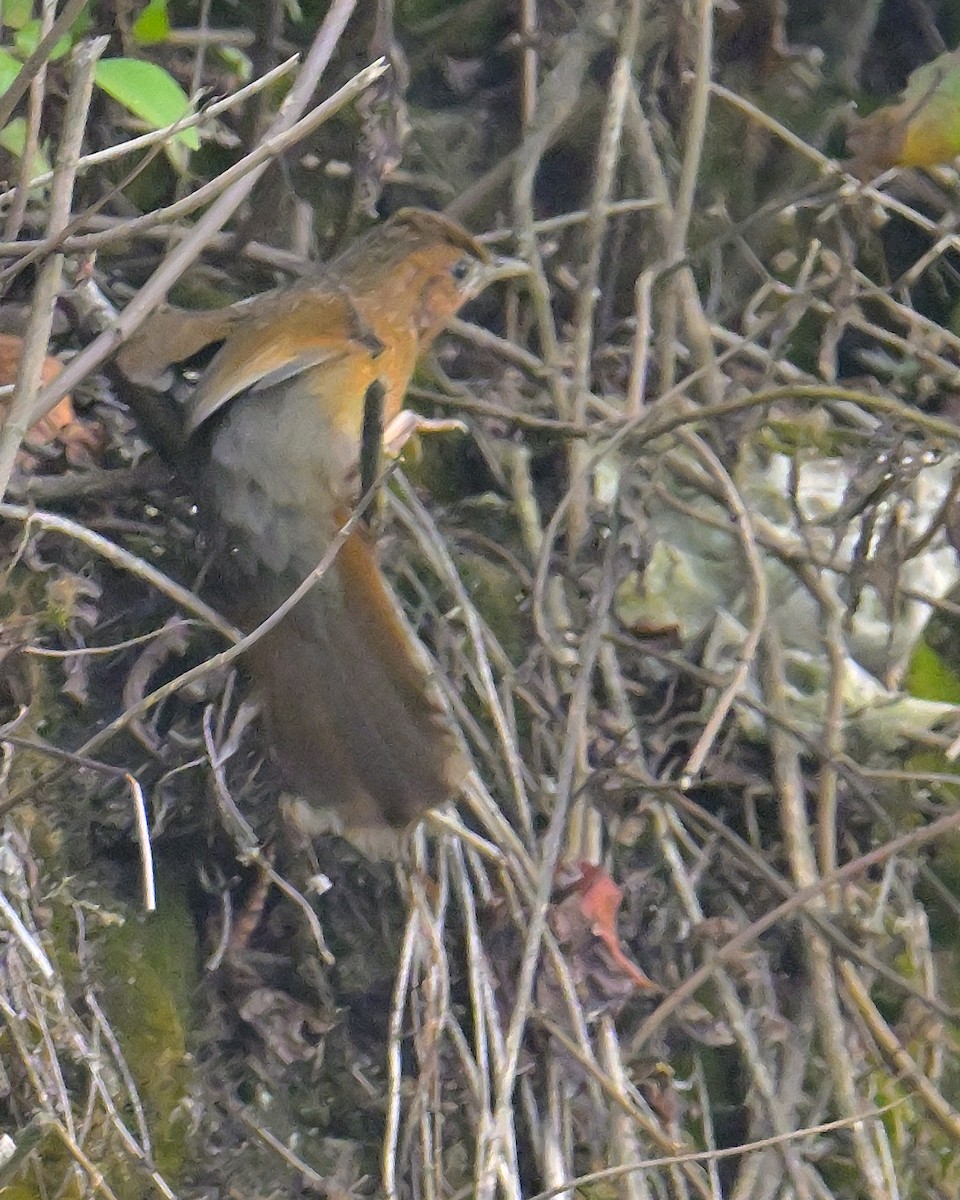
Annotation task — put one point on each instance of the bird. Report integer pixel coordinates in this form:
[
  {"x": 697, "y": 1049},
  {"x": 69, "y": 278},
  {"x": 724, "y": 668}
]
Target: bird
[{"x": 275, "y": 426}]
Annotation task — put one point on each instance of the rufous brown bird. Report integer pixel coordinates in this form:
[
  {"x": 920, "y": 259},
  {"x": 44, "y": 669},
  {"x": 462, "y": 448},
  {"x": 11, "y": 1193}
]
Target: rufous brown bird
[{"x": 350, "y": 708}]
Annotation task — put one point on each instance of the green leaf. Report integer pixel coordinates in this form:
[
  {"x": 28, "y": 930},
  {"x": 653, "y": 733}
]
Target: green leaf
[
  {"x": 929, "y": 677},
  {"x": 237, "y": 62},
  {"x": 148, "y": 91},
  {"x": 9, "y": 70},
  {"x": 16, "y": 13},
  {"x": 28, "y": 38},
  {"x": 941, "y": 75},
  {"x": 923, "y": 129},
  {"x": 13, "y": 137},
  {"x": 153, "y": 24}
]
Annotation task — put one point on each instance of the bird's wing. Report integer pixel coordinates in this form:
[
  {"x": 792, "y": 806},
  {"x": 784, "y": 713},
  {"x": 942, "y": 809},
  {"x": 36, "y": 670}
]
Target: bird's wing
[{"x": 279, "y": 338}]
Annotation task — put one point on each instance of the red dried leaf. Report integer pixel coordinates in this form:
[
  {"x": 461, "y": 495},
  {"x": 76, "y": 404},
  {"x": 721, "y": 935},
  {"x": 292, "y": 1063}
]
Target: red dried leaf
[
  {"x": 61, "y": 426},
  {"x": 600, "y": 900}
]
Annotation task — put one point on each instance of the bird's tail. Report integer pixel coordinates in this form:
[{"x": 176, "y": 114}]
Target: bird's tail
[{"x": 354, "y": 717}]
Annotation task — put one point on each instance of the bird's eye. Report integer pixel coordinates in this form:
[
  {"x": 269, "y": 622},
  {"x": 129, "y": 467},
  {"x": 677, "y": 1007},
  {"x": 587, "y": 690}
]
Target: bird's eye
[{"x": 461, "y": 269}]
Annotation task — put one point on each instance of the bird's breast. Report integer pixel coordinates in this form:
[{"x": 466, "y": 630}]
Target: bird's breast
[{"x": 279, "y": 470}]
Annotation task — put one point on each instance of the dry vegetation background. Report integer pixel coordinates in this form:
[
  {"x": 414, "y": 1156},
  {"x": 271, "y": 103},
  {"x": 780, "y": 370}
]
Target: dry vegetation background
[{"x": 691, "y": 580}]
